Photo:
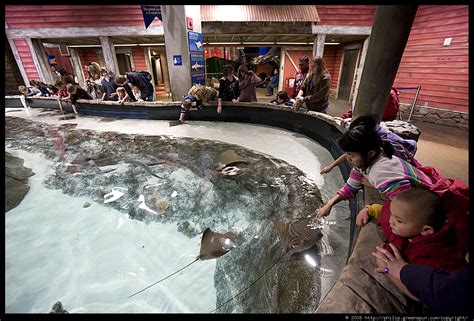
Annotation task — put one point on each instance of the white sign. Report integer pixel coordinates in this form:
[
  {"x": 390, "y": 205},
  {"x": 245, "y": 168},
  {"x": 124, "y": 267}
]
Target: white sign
[{"x": 447, "y": 41}]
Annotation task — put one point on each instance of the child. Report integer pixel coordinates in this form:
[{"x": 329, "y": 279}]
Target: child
[
  {"x": 197, "y": 95},
  {"x": 122, "y": 95},
  {"x": 403, "y": 148},
  {"x": 374, "y": 160},
  {"x": 415, "y": 223},
  {"x": 63, "y": 94},
  {"x": 137, "y": 93},
  {"x": 76, "y": 93},
  {"x": 27, "y": 92},
  {"x": 282, "y": 98},
  {"x": 40, "y": 86},
  {"x": 52, "y": 90}
]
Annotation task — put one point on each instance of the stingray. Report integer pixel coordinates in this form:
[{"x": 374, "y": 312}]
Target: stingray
[
  {"x": 295, "y": 238},
  {"x": 213, "y": 245},
  {"x": 230, "y": 157}
]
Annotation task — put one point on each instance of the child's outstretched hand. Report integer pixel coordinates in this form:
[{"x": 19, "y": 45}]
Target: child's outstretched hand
[
  {"x": 323, "y": 211},
  {"x": 326, "y": 169},
  {"x": 363, "y": 217}
]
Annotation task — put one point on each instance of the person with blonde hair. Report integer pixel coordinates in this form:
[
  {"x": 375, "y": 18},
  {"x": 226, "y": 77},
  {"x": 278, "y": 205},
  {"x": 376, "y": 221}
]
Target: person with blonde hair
[
  {"x": 195, "y": 97},
  {"x": 314, "y": 94}
]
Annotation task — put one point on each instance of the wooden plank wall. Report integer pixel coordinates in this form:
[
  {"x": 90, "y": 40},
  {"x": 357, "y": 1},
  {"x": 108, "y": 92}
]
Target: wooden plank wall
[
  {"x": 60, "y": 16},
  {"x": 26, "y": 59},
  {"x": 330, "y": 57},
  {"x": 138, "y": 55},
  {"x": 346, "y": 15},
  {"x": 87, "y": 55},
  {"x": 441, "y": 71}
]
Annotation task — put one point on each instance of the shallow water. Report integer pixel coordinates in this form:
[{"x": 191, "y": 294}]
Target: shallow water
[{"x": 93, "y": 258}]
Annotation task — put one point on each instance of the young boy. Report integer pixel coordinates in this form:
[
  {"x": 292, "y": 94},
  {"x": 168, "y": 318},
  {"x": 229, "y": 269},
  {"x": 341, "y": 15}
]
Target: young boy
[
  {"x": 415, "y": 223},
  {"x": 76, "y": 93}
]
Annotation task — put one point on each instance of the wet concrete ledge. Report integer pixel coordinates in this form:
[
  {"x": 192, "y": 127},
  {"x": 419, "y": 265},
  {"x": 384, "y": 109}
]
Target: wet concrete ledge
[{"x": 359, "y": 289}]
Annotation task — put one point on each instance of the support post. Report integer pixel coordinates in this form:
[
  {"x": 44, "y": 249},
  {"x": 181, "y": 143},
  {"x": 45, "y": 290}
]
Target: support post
[
  {"x": 40, "y": 60},
  {"x": 390, "y": 32},
  {"x": 108, "y": 52},
  {"x": 318, "y": 46},
  {"x": 363, "y": 56},
  {"x": 19, "y": 63},
  {"x": 76, "y": 65}
]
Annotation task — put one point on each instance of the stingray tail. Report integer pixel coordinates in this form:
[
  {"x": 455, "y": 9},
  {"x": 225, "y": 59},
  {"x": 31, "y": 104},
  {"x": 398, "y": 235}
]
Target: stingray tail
[
  {"x": 220, "y": 306},
  {"x": 163, "y": 278}
]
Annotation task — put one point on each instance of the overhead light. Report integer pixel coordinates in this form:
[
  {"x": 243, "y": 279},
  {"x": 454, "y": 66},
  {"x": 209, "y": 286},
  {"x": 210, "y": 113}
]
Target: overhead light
[
  {"x": 151, "y": 44},
  {"x": 85, "y": 46},
  {"x": 126, "y": 45},
  {"x": 332, "y": 43}
]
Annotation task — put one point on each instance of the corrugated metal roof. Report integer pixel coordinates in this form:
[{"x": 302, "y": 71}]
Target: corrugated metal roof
[{"x": 261, "y": 13}]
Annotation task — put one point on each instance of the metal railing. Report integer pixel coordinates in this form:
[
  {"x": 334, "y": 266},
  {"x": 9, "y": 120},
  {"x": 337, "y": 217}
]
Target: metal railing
[{"x": 414, "y": 101}]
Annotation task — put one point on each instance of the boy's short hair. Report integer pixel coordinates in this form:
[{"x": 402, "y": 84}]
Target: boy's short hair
[
  {"x": 70, "y": 88},
  {"x": 429, "y": 206},
  {"x": 120, "y": 89},
  {"x": 120, "y": 80}
]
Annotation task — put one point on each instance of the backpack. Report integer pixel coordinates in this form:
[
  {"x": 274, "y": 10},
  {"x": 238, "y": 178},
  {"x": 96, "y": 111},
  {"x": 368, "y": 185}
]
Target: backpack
[{"x": 145, "y": 74}]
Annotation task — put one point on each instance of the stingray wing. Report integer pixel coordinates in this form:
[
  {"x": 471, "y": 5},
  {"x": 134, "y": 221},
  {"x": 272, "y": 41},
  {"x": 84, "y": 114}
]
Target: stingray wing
[
  {"x": 230, "y": 157},
  {"x": 215, "y": 244},
  {"x": 296, "y": 237}
]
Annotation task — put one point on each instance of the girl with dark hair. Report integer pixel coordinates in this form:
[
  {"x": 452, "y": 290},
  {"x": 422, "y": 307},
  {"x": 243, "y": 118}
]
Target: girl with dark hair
[
  {"x": 403, "y": 148},
  {"x": 373, "y": 159}
]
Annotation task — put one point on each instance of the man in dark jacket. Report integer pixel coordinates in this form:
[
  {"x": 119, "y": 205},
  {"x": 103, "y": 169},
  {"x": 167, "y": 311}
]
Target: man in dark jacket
[
  {"x": 300, "y": 75},
  {"x": 136, "y": 79}
]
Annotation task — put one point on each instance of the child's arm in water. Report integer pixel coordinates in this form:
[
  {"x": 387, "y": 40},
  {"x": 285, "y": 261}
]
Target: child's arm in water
[
  {"x": 338, "y": 161},
  {"x": 349, "y": 190}
]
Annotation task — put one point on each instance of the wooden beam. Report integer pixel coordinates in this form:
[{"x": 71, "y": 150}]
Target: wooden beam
[
  {"x": 341, "y": 30},
  {"x": 76, "y": 65},
  {"x": 108, "y": 51},
  {"x": 390, "y": 31},
  {"x": 40, "y": 60},
  {"x": 71, "y": 32}
]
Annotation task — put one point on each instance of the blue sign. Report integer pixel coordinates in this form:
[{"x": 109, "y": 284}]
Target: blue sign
[
  {"x": 195, "y": 41},
  {"x": 150, "y": 13},
  {"x": 177, "y": 60},
  {"x": 198, "y": 68}
]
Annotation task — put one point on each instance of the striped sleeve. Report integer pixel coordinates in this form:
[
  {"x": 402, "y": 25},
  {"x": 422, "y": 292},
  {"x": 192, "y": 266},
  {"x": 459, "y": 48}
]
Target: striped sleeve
[
  {"x": 392, "y": 176},
  {"x": 352, "y": 186}
]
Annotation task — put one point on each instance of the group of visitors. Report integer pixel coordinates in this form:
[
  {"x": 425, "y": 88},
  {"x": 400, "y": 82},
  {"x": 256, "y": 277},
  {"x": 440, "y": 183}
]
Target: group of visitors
[
  {"x": 100, "y": 84},
  {"x": 424, "y": 218}
]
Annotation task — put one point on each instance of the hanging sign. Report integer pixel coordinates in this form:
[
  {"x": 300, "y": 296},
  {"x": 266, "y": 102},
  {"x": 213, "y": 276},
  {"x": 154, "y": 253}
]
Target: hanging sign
[
  {"x": 198, "y": 66},
  {"x": 150, "y": 13},
  {"x": 195, "y": 41}
]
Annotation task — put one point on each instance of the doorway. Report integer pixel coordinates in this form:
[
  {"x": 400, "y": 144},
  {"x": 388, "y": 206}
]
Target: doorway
[{"x": 347, "y": 73}]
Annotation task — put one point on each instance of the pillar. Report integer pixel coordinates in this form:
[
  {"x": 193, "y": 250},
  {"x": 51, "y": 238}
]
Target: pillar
[
  {"x": 40, "y": 60},
  {"x": 318, "y": 46},
  {"x": 76, "y": 65},
  {"x": 108, "y": 52},
  {"x": 146, "y": 52},
  {"x": 164, "y": 68},
  {"x": 363, "y": 56},
  {"x": 390, "y": 31},
  {"x": 176, "y": 41}
]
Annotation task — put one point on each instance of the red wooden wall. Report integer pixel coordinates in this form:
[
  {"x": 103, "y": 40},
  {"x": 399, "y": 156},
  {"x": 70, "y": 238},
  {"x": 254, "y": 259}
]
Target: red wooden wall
[
  {"x": 26, "y": 59},
  {"x": 442, "y": 71},
  {"x": 346, "y": 15},
  {"x": 138, "y": 55},
  {"x": 63, "y": 61},
  {"x": 60, "y": 16},
  {"x": 288, "y": 69},
  {"x": 87, "y": 55}
]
